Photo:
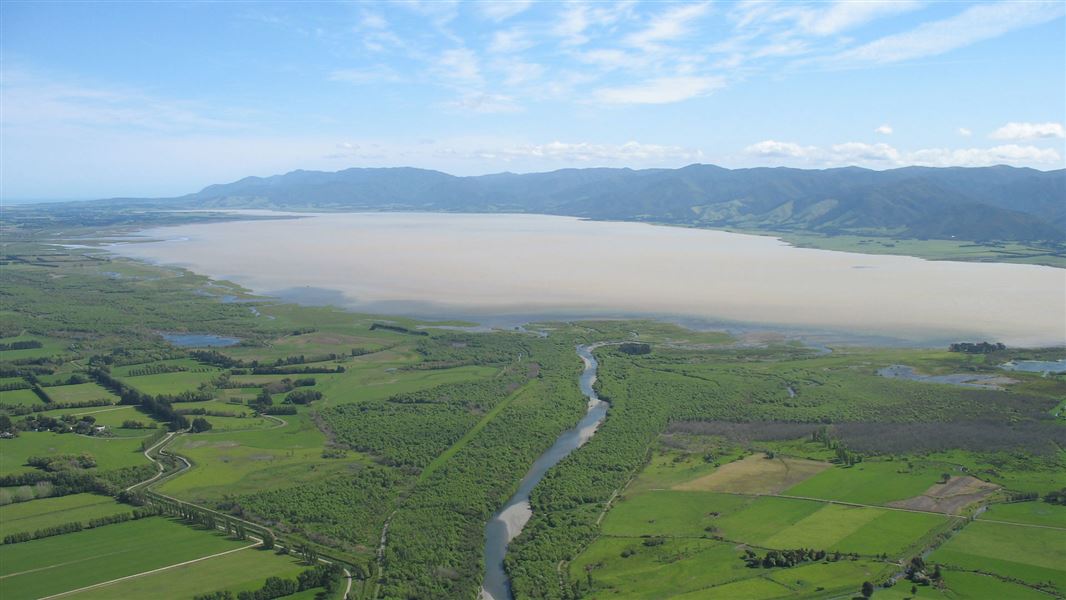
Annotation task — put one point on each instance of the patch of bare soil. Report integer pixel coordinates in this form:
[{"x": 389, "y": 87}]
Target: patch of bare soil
[{"x": 949, "y": 498}]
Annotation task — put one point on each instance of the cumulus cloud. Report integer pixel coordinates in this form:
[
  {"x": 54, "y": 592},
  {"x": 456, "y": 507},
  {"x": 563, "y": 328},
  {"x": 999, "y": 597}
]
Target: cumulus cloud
[
  {"x": 884, "y": 129},
  {"x": 661, "y": 90},
  {"x": 858, "y": 152},
  {"x": 886, "y": 156},
  {"x": 1010, "y": 154},
  {"x": 774, "y": 148},
  {"x": 964, "y": 132},
  {"x": 1029, "y": 131}
]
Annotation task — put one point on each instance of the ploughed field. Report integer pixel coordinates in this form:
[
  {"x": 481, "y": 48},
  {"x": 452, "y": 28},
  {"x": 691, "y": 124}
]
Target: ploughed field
[{"x": 726, "y": 468}]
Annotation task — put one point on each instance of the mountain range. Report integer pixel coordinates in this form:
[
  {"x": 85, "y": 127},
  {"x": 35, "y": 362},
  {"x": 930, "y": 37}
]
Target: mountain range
[{"x": 987, "y": 203}]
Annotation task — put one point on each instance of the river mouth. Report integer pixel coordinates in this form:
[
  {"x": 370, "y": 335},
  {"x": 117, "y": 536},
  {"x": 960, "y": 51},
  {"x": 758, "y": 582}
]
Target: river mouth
[{"x": 512, "y": 518}]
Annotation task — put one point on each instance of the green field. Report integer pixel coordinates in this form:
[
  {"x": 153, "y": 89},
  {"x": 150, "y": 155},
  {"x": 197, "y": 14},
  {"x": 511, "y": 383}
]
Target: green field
[
  {"x": 1031, "y": 554},
  {"x": 20, "y": 398},
  {"x": 241, "y": 462},
  {"x": 75, "y": 560},
  {"x": 236, "y": 572},
  {"x": 81, "y": 392},
  {"x": 867, "y": 531},
  {"x": 110, "y": 453},
  {"x": 868, "y": 482},
  {"x": 49, "y": 347},
  {"x": 48, "y": 512},
  {"x": 1034, "y": 513},
  {"x": 171, "y": 383}
]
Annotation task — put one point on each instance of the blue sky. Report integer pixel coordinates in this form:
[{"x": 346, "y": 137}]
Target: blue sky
[{"x": 151, "y": 99}]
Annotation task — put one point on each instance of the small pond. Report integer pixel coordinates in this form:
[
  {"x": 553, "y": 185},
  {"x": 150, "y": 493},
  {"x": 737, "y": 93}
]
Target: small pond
[{"x": 199, "y": 340}]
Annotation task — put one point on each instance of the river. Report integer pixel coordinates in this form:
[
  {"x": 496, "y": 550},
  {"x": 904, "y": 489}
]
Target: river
[{"x": 508, "y": 523}]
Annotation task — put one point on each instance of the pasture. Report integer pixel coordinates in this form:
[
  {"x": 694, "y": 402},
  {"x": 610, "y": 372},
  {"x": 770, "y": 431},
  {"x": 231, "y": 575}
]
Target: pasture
[
  {"x": 48, "y": 512},
  {"x": 24, "y": 397},
  {"x": 172, "y": 383},
  {"x": 1032, "y": 513},
  {"x": 237, "y": 572},
  {"x": 74, "y": 560},
  {"x": 81, "y": 392},
  {"x": 1031, "y": 554},
  {"x": 245, "y": 462},
  {"x": 869, "y": 482},
  {"x": 110, "y": 453}
]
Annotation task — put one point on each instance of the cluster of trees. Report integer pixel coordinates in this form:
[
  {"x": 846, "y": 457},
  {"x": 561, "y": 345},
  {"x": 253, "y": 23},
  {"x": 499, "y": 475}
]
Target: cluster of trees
[
  {"x": 74, "y": 526},
  {"x": 21, "y": 345},
  {"x": 918, "y": 572},
  {"x": 22, "y": 409},
  {"x": 200, "y": 425},
  {"x": 59, "y": 462},
  {"x": 976, "y": 347},
  {"x": 397, "y": 329},
  {"x": 345, "y": 513},
  {"x": 1056, "y": 497},
  {"x": 790, "y": 558},
  {"x": 327, "y": 576},
  {"x": 303, "y": 396},
  {"x": 157, "y": 369},
  {"x": 84, "y": 425},
  {"x": 440, "y": 415},
  {"x": 635, "y": 349}
]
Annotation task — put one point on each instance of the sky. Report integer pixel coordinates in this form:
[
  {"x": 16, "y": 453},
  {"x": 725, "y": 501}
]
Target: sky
[{"x": 161, "y": 99}]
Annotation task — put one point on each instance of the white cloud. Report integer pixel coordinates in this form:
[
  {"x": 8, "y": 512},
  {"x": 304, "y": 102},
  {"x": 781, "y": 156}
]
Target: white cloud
[
  {"x": 1029, "y": 131},
  {"x": 964, "y": 132},
  {"x": 588, "y": 152},
  {"x": 1010, "y": 154},
  {"x": 373, "y": 21},
  {"x": 859, "y": 153},
  {"x": 671, "y": 25},
  {"x": 774, "y": 148},
  {"x": 848, "y": 14},
  {"x": 518, "y": 73},
  {"x": 503, "y": 9},
  {"x": 976, "y": 23},
  {"x": 481, "y": 102},
  {"x": 571, "y": 27},
  {"x": 661, "y": 90},
  {"x": 508, "y": 41},
  {"x": 885, "y": 129},
  {"x": 885, "y": 156},
  {"x": 459, "y": 65}
]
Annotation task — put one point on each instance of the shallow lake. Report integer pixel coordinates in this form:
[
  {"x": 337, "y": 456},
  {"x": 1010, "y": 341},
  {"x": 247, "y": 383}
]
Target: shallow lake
[{"x": 462, "y": 265}]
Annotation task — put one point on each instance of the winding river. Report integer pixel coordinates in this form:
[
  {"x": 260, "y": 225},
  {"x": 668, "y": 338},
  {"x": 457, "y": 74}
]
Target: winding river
[{"x": 508, "y": 523}]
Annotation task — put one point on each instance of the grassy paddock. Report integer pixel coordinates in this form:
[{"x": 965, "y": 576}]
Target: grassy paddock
[
  {"x": 66, "y": 562},
  {"x": 1033, "y": 513},
  {"x": 237, "y": 572},
  {"x": 110, "y": 453},
  {"x": 47, "y": 512},
  {"x": 1031, "y": 554}
]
